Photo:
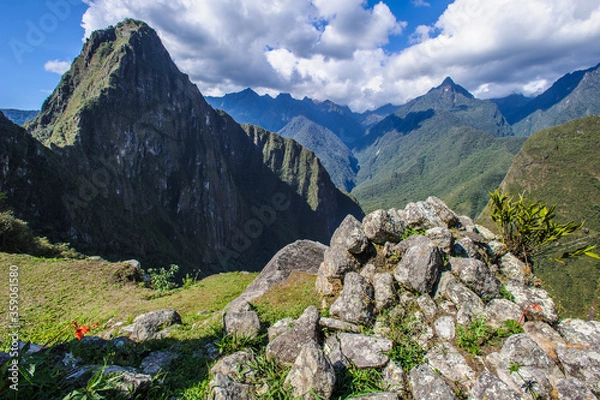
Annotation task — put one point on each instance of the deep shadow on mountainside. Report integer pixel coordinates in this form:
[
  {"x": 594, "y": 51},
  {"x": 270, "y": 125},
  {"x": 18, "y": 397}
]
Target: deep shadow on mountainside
[{"x": 137, "y": 164}]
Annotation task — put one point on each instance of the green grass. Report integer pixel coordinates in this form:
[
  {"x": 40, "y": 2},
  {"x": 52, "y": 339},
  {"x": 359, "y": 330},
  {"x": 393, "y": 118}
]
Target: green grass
[
  {"x": 288, "y": 299},
  {"x": 478, "y": 334}
]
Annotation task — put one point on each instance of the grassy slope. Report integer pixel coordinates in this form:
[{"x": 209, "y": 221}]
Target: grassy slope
[
  {"x": 561, "y": 166},
  {"x": 56, "y": 292}
]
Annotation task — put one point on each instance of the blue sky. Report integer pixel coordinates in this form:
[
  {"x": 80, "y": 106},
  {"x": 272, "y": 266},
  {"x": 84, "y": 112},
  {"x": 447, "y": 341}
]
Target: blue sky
[{"x": 354, "y": 52}]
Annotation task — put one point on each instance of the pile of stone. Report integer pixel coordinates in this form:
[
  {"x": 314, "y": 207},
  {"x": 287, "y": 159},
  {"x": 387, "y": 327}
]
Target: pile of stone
[{"x": 451, "y": 272}]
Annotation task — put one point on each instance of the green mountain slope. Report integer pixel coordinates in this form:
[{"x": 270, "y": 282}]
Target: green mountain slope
[
  {"x": 561, "y": 166},
  {"x": 445, "y": 143},
  {"x": 333, "y": 153}
]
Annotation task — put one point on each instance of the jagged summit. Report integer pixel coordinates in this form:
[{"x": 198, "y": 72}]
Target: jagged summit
[{"x": 448, "y": 85}]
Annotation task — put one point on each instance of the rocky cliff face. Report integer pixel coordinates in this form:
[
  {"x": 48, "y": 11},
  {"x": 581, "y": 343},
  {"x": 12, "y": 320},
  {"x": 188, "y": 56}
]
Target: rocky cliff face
[{"x": 159, "y": 174}]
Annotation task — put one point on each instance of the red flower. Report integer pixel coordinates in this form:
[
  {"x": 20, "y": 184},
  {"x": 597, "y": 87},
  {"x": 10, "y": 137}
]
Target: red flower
[
  {"x": 80, "y": 331},
  {"x": 534, "y": 306}
]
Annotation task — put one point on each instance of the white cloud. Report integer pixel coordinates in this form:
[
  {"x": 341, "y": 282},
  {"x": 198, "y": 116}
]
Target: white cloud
[
  {"x": 57, "y": 66},
  {"x": 420, "y": 3},
  {"x": 334, "y": 49}
]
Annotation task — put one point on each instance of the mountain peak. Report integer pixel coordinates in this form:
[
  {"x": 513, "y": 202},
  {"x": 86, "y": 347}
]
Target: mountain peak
[{"x": 449, "y": 85}]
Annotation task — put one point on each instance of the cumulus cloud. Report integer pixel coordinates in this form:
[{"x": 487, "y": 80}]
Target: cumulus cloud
[
  {"x": 57, "y": 66},
  {"x": 336, "y": 49}
]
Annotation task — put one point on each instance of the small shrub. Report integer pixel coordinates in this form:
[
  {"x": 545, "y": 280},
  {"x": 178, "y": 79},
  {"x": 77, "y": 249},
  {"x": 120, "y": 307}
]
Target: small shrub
[
  {"x": 405, "y": 327},
  {"x": 162, "y": 280}
]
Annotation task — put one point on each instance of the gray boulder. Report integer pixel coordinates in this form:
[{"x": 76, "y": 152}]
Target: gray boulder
[
  {"x": 445, "y": 328},
  {"x": 337, "y": 261},
  {"x": 154, "y": 325},
  {"x": 286, "y": 347},
  {"x": 514, "y": 269},
  {"x": 582, "y": 363},
  {"x": 312, "y": 374},
  {"x": 446, "y": 359},
  {"x": 333, "y": 349},
  {"x": 385, "y": 292},
  {"x": 468, "y": 303},
  {"x": 355, "y": 305},
  {"x": 421, "y": 215},
  {"x": 302, "y": 256},
  {"x": 224, "y": 388},
  {"x": 427, "y": 385},
  {"x": 419, "y": 269},
  {"x": 448, "y": 217},
  {"x": 382, "y": 226},
  {"x": 545, "y": 337},
  {"x": 527, "y": 296},
  {"x": 241, "y": 324},
  {"x": 394, "y": 376},
  {"x": 427, "y": 306},
  {"x": 573, "y": 389},
  {"x": 586, "y": 333},
  {"x": 350, "y": 236},
  {"x": 365, "y": 351},
  {"x": 333, "y": 324},
  {"x": 235, "y": 366},
  {"x": 441, "y": 237},
  {"x": 279, "y": 327},
  {"x": 489, "y": 387},
  {"x": 499, "y": 310},
  {"x": 477, "y": 276},
  {"x": 157, "y": 362}
]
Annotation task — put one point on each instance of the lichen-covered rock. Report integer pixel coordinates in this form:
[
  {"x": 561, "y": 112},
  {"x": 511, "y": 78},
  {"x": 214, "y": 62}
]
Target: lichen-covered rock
[
  {"x": 365, "y": 351},
  {"x": 279, "y": 327},
  {"x": 427, "y": 385},
  {"x": 582, "y": 363},
  {"x": 477, "y": 276},
  {"x": 447, "y": 216},
  {"x": 394, "y": 376},
  {"x": 546, "y": 337},
  {"x": 586, "y": 333},
  {"x": 486, "y": 233},
  {"x": 241, "y": 324},
  {"x": 154, "y": 325},
  {"x": 385, "y": 292},
  {"x": 350, "y": 236},
  {"x": 419, "y": 268},
  {"x": 333, "y": 324},
  {"x": 382, "y": 226},
  {"x": 573, "y": 389},
  {"x": 327, "y": 285},
  {"x": 312, "y": 376},
  {"x": 446, "y": 359},
  {"x": 337, "y": 261},
  {"x": 414, "y": 240},
  {"x": 441, "y": 237},
  {"x": 369, "y": 271},
  {"x": 466, "y": 247},
  {"x": 421, "y": 215},
  {"x": 224, "y": 388},
  {"x": 468, "y": 303},
  {"x": 445, "y": 328},
  {"x": 427, "y": 306},
  {"x": 157, "y": 362},
  {"x": 356, "y": 302},
  {"x": 466, "y": 223},
  {"x": 489, "y": 387},
  {"x": 526, "y": 297},
  {"x": 235, "y": 366},
  {"x": 333, "y": 349},
  {"x": 536, "y": 367},
  {"x": 286, "y": 347},
  {"x": 499, "y": 310},
  {"x": 514, "y": 269}
]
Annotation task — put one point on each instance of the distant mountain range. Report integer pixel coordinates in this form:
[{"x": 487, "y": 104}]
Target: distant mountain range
[{"x": 446, "y": 142}]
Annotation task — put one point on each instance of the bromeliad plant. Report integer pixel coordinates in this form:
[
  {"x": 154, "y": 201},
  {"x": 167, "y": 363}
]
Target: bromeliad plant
[{"x": 527, "y": 227}]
